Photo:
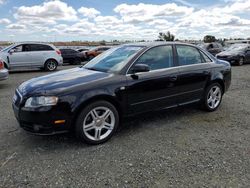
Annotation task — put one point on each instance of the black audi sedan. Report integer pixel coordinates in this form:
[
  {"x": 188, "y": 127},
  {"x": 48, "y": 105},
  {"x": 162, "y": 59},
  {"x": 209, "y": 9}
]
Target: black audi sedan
[
  {"x": 238, "y": 54},
  {"x": 124, "y": 81}
]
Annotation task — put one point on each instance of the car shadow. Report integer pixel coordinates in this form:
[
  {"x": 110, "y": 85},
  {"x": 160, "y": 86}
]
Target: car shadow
[
  {"x": 26, "y": 71},
  {"x": 128, "y": 125},
  {"x": 3, "y": 85}
]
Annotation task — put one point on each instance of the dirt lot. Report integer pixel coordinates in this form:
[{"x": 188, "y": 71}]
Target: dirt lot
[{"x": 182, "y": 147}]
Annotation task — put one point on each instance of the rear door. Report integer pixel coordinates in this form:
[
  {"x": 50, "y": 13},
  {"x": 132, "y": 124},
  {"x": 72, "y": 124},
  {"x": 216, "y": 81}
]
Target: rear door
[
  {"x": 155, "y": 89},
  {"x": 39, "y": 54},
  {"x": 194, "y": 72}
]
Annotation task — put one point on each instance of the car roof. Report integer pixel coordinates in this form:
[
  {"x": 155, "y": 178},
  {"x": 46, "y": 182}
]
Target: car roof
[
  {"x": 156, "y": 43},
  {"x": 29, "y": 42}
]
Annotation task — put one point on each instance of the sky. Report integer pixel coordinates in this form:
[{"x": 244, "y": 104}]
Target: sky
[{"x": 71, "y": 20}]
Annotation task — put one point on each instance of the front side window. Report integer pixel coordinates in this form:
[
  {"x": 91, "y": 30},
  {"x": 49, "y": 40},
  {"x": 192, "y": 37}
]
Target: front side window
[
  {"x": 159, "y": 57},
  {"x": 188, "y": 55},
  {"x": 18, "y": 48}
]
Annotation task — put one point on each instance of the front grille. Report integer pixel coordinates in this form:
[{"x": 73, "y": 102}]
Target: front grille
[{"x": 222, "y": 57}]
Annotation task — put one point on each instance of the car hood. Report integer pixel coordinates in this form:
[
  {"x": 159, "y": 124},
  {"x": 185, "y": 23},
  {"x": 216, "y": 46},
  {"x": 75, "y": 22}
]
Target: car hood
[
  {"x": 61, "y": 81},
  {"x": 229, "y": 53}
]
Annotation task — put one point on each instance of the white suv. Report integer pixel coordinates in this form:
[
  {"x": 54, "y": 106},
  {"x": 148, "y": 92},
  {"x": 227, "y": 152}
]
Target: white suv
[{"x": 31, "y": 55}]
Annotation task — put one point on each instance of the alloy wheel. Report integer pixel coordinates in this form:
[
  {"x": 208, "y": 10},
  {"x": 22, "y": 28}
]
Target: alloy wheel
[
  {"x": 51, "y": 65},
  {"x": 214, "y": 97},
  {"x": 99, "y": 123}
]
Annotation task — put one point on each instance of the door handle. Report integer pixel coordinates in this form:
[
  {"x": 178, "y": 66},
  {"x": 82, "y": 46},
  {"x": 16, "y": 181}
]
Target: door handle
[{"x": 173, "y": 78}]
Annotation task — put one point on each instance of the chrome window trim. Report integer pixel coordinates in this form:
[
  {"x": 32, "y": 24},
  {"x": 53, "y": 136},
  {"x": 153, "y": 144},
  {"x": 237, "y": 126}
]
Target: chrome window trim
[{"x": 169, "y": 68}]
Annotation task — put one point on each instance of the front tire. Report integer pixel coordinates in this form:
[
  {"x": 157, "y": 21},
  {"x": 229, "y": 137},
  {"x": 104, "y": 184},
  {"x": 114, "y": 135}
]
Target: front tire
[
  {"x": 97, "y": 123},
  {"x": 50, "y": 65},
  {"x": 241, "y": 61},
  {"x": 78, "y": 61},
  {"x": 212, "y": 97}
]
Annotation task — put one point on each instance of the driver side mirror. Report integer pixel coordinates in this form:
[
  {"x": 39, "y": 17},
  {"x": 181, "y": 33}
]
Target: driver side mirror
[
  {"x": 11, "y": 51},
  {"x": 140, "y": 68}
]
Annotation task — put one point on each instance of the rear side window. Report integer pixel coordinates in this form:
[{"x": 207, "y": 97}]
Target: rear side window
[
  {"x": 205, "y": 57},
  {"x": 188, "y": 55},
  {"x": 159, "y": 57},
  {"x": 40, "y": 47}
]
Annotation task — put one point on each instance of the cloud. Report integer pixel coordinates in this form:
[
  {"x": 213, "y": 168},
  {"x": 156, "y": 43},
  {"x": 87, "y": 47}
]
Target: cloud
[
  {"x": 16, "y": 27},
  {"x": 2, "y": 2},
  {"x": 5, "y": 21},
  {"x": 88, "y": 12},
  {"x": 132, "y": 21},
  {"x": 148, "y": 12},
  {"x": 238, "y": 6},
  {"x": 49, "y": 10}
]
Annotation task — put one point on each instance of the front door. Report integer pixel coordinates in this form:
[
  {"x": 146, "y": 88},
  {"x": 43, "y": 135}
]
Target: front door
[
  {"x": 155, "y": 89},
  {"x": 19, "y": 57}
]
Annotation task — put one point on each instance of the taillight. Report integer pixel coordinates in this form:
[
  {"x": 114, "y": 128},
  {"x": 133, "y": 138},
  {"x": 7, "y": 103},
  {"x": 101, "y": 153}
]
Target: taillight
[
  {"x": 1, "y": 65},
  {"x": 58, "y": 52}
]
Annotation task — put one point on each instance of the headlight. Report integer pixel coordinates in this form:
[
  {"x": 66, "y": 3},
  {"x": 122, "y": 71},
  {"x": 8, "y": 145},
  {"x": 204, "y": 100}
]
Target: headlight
[{"x": 34, "y": 102}]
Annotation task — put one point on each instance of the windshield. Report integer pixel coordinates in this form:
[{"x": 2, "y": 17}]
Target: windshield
[
  {"x": 237, "y": 47},
  {"x": 113, "y": 60},
  {"x": 7, "y": 48}
]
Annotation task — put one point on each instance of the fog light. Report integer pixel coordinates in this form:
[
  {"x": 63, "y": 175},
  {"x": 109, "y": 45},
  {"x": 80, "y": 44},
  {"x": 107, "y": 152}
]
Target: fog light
[
  {"x": 59, "y": 121},
  {"x": 36, "y": 128}
]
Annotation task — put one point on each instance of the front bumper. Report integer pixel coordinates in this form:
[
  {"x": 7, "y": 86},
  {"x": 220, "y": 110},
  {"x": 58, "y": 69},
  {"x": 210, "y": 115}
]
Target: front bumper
[
  {"x": 4, "y": 74},
  {"x": 231, "y": 60},
  {"x": 41, "y": 121}
]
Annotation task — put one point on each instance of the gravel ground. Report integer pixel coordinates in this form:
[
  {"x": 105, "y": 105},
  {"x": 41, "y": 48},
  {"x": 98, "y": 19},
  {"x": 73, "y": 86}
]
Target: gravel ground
[{"x": 181, "y": 147}]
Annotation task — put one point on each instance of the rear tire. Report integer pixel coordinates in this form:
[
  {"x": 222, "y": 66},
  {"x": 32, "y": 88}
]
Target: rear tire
[
  {"x": 212, "y": 97},
  {"x": 50, "y": 65},
  {"x": 97, "y": 123}
]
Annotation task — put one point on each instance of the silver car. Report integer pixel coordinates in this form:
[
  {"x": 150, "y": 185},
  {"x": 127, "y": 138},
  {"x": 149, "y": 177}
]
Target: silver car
[
  {"x": 31, "y": 55},
  {"x": 4, "y": 73}
]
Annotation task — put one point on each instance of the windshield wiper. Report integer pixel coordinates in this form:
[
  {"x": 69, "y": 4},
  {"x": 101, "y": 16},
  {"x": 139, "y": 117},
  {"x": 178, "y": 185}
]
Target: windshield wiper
[{"x": 91, "y": 68}]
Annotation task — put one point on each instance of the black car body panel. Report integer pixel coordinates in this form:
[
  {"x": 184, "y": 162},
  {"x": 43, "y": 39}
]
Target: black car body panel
[
  {"x": 233, "y": 55},
  {"x": 71, "y": 56},
  {"x": 130, "y": 93}
]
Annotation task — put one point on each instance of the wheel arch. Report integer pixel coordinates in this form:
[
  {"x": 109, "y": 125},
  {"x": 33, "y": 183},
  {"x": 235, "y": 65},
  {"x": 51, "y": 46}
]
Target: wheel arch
[
  {"x": 6, "y": 65},
  {"x": 219, "y": 81},
  {"x": 50, "y": 59},
  {"x": 103, "y": 97}
]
